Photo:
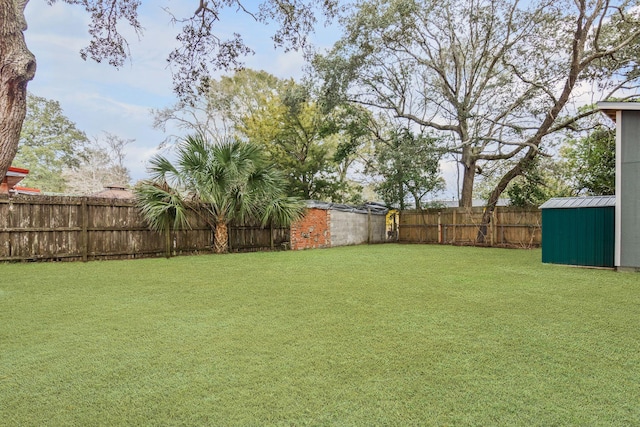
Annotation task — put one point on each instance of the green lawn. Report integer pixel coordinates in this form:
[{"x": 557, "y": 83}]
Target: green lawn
[{"x": 369, "y": 335}]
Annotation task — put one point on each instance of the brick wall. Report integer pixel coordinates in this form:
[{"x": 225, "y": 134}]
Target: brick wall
[{"x": 312, "y": 231}]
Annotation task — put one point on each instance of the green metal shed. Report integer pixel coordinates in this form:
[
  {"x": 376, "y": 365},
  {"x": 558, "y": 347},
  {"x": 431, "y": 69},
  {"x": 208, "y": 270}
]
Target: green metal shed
[{"x": 579, "y": 231}]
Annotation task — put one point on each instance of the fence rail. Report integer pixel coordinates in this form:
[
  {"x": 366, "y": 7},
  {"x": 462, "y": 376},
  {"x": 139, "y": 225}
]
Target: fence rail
[
  {"x": 34, "y": 228},
  {"x": 512, "y": 227}
]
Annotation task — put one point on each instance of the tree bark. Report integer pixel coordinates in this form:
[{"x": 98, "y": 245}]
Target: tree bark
[
  {"x": 17, "y": 68},
  {"x": 221, "y": 238},
  {"x": 468, "y": 176},
  {"x": 498, "y": 190}
]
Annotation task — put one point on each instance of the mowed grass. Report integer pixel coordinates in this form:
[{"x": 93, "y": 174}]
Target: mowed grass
[{"x": 369, "y": 335}]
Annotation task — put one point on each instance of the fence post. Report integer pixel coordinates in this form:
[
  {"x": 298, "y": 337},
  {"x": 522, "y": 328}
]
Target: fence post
[
  {"x": 369, "y": 226},
  {"x": 439, "y": 226},
  {"x": 494, "y": 228},
  {"x": 85, "y": 226},
  {"x": 453, "y": 239},
  {"x": 271, "y": 235}
]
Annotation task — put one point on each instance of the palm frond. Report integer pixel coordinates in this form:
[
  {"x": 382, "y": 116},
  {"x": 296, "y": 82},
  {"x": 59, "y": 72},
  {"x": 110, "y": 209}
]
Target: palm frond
[
  {"x": 283, "y": 211},
  {"x": 162, "y": 170},
  {"x": 161, "y": 206}
]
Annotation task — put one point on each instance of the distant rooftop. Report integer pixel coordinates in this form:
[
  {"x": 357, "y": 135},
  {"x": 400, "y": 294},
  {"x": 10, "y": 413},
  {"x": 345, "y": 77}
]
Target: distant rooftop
[
  {"x": 115, "y": 191},
  {"x": 9, "y": 184}
]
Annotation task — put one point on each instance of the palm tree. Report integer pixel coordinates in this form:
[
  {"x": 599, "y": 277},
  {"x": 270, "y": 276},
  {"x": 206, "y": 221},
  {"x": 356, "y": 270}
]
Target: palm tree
[
  {"x": 232, "y": 181},
  {"x": 162, "y": 208}
]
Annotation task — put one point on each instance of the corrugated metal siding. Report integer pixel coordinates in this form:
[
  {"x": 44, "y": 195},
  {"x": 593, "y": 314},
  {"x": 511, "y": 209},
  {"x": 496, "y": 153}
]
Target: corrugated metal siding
[{"x": 579, "y": 236}]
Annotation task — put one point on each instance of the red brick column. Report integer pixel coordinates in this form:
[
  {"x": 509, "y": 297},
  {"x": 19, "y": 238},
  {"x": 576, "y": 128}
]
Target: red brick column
[{"x": 312, "y": 231}]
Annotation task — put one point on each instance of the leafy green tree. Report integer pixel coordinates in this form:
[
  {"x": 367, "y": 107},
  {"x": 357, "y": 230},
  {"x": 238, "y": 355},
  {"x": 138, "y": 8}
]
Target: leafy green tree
[
  {"x": 49, "y": 143},
  {"x": 543, "y": 178},
  {"x": 408, "y": 165},
  {"x": 528, "y": 191},
  {"x": 244, "y": 93},
  {"x": 496, "y": 78},
  {"x": 222, "y": 107},
  {"x": 292, "y": 129},
  {"x": 353, "y": 128},
  {"x": 591, "y": 161},
  {"x": 233, "y": 181},
  {"x": 314, "y": 147}
]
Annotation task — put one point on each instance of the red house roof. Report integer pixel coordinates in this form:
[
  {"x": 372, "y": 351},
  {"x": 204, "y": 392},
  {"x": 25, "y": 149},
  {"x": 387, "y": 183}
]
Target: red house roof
[
  {"x": 12, "y": 178},
  {"x": 14, "y": 171}
]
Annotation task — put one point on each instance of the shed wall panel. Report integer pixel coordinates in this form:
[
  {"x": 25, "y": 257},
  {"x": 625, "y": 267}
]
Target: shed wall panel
[{"x": 580, "y": 236}]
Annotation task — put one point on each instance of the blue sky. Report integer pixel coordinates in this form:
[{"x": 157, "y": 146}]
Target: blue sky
[{"x": 98, "y": 97}]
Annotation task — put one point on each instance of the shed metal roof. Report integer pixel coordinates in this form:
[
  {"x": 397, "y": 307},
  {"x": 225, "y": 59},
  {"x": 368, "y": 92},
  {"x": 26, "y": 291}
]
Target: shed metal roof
[
  {"x": 579, "y": 202},
  {"x": 375, "y": 208}
]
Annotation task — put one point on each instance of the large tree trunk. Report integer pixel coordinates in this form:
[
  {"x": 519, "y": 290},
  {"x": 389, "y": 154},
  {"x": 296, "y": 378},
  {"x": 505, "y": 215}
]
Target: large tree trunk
[
  {"x": 469, "y": 165},
  {"x": 17, "y": 68},
  {"x": 401, "y": 195},
  {"x": 497, "y": 192},
  {"x": 221, "y": 238}
]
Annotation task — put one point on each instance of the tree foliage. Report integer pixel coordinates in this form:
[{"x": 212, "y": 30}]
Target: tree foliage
[
  {"x": 542, "y": 179},
  {"x": 591, "y": 161},
  {"x": 163, "y": 208},
  {"x": 49, "y": 143},
  {"x": 61, "y": 158},
  {"x": 313, "y": 146},
  {"x": 292, "y": 128},
  {"x": 202, "y": 48},
  {"x": 495, "y": 78},
  {"x": 221, "y": 109},
  {"x": 233, "y": 181},
  {"x": 409, "y": 167}
]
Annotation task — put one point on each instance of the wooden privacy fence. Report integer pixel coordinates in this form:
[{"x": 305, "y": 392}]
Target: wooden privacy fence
[
  {"x": 509, "y": 227},
  {"x": 84, "y": 228}
]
